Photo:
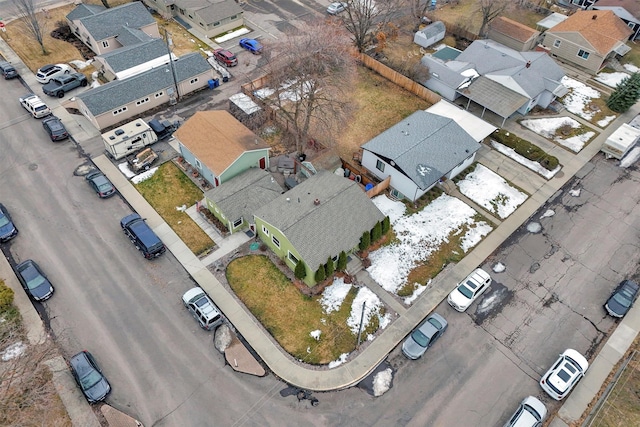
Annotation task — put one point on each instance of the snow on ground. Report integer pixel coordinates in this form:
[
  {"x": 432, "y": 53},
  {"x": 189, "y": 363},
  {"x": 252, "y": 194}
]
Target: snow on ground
[
  {"x": 339, "y": 361},
  {"x": 491, "y": 191},
  {"x": 548, "y": 213},
  {"x": 631, "y": 68},
  {"x": 630, "y": 158},
  {"x": 534, "y": 166},
  {"x": 611, "y": 79},
  {"x": 334, "y": 294},
  {"x": 548, "y": 126},
  {"x": 233, "y": 34},
  {"x": 419, "y": 290},
  {"x": 579, "y": 97},
  {"x": 605, "y": 122},
  {"x": 575, "y": 192},
  {"x": 316, "y": 334},
  {"x": 499, "y": 267},
  {"x": 382, "y": 382},
  {"x": 419, "y": 235},
  {"x": 126, "y": 171},
  {"x": 391, "y": 208},
  {"x": 371, "y": 308},
  {"x": 13, "y": 351},
  {"x": 144, "y": 176},
  {"x": 81, "y": 65}
]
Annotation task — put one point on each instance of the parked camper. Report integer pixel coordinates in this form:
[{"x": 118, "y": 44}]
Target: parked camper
[
  {"x": 128, "y": 138},
  {"x": 621, "y": 142}
]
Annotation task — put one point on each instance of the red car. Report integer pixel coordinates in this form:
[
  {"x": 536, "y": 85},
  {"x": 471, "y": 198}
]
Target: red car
[{"x": 225, "y": 57}]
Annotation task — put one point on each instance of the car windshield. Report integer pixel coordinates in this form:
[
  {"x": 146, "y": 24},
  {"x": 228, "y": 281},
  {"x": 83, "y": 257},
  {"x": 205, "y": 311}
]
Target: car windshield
[
  {"x": 420, "y": 338},
  {"x": 35, "y": 282},
  {"x": 91, "y": 379},
  {"x": 623, "y": 298},
  {"x": 435, "y": 323},
  {"x": 202, "y": 302},
  {"x": 3, "y": 220},
  {"x": 465, "y": 291}
]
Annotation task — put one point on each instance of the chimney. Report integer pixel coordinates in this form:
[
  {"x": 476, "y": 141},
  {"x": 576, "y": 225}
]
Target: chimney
[
  {"x": 594, "y": 17},
  {"x": 528, "y": 64},
  {"x": 316, "y": 202}
]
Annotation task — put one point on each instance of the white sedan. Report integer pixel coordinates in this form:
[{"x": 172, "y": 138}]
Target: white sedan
[
  {"x": 336, "y": 7},
  {"x": 467, "y": 291}
]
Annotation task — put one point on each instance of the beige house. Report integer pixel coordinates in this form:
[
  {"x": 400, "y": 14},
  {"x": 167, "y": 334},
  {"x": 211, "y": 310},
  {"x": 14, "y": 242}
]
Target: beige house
[
  {"x": 513, "y": 34},
  {"x": 120, "y": 100},
  {"x": 588, "y": 38},
  {"x": 104, "y": 30},
  {"x": 213, "y": 17}
]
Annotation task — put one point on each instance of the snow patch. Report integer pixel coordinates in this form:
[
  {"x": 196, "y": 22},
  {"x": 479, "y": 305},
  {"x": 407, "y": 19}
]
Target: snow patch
[
  {"x": 631, "y": 68},
  {"x": 419, "y": 290},
  {"x": 575, "y": 192},
  {"x": 530, "y": 164},
  {"x": 605, "y": 122},
  {"x": 316, "y": 334},
  {"x": 548, "y": 213},
  {"x": 144, "y": 176},
  {"x": 534, "y": 227},
  {"x": 81, "y": 65},
  {"x": 13, "y": 351},
  {"x": 499, "y": 267},
  {"x": 339, "y": 361},
  {"x": 547, "y": 127},
  {"x": 382, "y": 382},
  {"x": 126, "y": 171},
  {"x": 333, "y": 295},
  {"x": 611, "y": 79},
  {"x": 371, "y": 304},
  {"x": 579, "y": 97},
  {"x": 394, "y": 209}
]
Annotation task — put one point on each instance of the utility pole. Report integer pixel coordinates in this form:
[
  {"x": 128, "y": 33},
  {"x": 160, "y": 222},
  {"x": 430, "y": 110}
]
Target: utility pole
[
  {"x": 167, "y": 36},
  {"x": 364, "y": 304}
]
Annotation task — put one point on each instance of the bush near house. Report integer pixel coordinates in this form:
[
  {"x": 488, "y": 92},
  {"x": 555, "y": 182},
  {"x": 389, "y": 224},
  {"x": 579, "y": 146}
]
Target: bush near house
[
  {"x": 320, "y": 273},
  {"x": 342, "y": 261},
  {"x": 330, "y": 267},
  {"x": 365, "y": 241},
  {"x": 526, "y": 149},
  {"x": 301, "y": 271}
]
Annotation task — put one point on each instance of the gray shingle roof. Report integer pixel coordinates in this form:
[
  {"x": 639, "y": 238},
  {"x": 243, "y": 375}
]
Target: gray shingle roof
[
  {"x": 424, "y": 147},
  {"x": 109, "y": 22},
  {"x": 120, "y": 92},
  {"x": 448, "y": 73},
  {"x": 84, "y": 10},
  {"x": 129, "y": 36},
  {"x": 320, "y": 231},
  {"x": 219, "y": 10},
  {"x": 494, "y": 96},
  {"x": 130, "y": 56},
  {"x": 434, "y": 29},
  {"x": 244, "y": 193}
]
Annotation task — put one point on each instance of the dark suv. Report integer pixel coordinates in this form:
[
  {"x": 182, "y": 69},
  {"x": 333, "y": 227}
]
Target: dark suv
[{"x": 142, "y": 236}]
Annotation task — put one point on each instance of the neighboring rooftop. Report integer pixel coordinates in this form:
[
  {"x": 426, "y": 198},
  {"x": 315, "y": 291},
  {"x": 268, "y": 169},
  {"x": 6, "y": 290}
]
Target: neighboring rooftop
[
  {"x": 128, "y": 57},
  {"x": 551, "y": 21},
  {"x": 513, "y": 29},
  {"x": 109, "y": 22}
]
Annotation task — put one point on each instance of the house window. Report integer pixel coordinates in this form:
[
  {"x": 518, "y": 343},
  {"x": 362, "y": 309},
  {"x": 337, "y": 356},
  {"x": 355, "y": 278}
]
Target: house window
[
  {"x": 380, "y": 165},
  {"x": 631, "y": 25},
  {"x": 215, "y": 24},
  {"x": 142, "y": 101},
  {"x": 583, "y": 54},
  {"x": 192, "y": 81},
  {"x": 105, "y": 43},
  {"x": 334, "y": 258},
  {"x": 159, "y": 94},
  {"x": 265, "y": 230},
  {"x": 198, "y": 164},
  {"x": 120, "y": 110},
  {"x": 275, "y": 241},
  {"x": 237, "y": 223},
  {"x": 292, "y": 258},
  {"x": 557, "y": 43}
]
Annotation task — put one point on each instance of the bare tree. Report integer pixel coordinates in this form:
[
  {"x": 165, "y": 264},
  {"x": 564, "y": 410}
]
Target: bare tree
[
  {"x": 105, "y": 4},
  {"x": 310, "y": 73},
  {"x": 363, "y": 18},
  {"x": 33, "y": 21},
  {"x": 419, "y": 9},
  {"x": 490, "y": 10}
]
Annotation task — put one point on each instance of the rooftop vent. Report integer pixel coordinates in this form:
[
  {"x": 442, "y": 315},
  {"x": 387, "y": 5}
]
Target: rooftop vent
[
  {"x": 138, "y": 124},
  {"x": 528, "y": 64},
  {"x": 119, "y": 132}
]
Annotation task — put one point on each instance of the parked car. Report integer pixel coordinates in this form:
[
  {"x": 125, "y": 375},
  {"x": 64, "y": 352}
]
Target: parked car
[
  {"x": 47, "y": 72},
  {"x": 7, "y": 70},
  {"x": 424, "y": 336},
  {"x": 57, "y": 86},
  {"x": 163, "y": 128},
  {"x": 54, "y": 127},
  {"x": 100, "y": 184},
  {"x": 622, "y": 298},
  {"x": 7, "y": 229},
  {"x": 142, "y": 236},
  {"x": 34, "y": 281},
  {"x": 89, "y": 377},
  {"x": 251, "y": 45},
  {"x": 225, "y": 57},
  {"x": 564, "y": 374},
  {"x": 200, "y": 306},
  {"x": 530, "y": 413},
  {"x": 34, "y": 105},
  {"x": 467, "y": 291},
  {"x": 336, "y": 7}
]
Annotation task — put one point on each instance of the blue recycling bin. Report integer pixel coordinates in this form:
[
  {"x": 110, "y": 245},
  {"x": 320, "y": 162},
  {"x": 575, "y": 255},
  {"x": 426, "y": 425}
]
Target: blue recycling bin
[{"x": 213, "y": 83}]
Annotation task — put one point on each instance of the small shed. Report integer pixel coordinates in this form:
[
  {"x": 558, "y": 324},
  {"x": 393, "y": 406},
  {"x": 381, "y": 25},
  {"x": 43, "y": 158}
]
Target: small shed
[
  {"x": 430, "y": 34},
  {"x": 621, "y": 142},
  {"x": 246, "y": 111}
]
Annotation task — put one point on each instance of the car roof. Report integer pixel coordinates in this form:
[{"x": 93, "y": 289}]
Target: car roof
[
  {"x": 439, "y": 318},
  {"x": 81, "y": 363},
  {"x": 536, "y": 405},
  {"x": 629, "y": 284},
  {"x": 570, "y": 367},
  {"x": 192, "y": 293}
]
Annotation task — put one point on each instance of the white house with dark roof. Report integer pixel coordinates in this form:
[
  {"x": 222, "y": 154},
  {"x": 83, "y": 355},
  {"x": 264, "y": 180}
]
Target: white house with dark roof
[
  {"x": 234, "y": 202},
  {"x": 497, "y": 78},
  {"x": 133, "y": 59},
  {"x": 418, "y": 152},
  {"x": 316, "y": 220},
  {"x": 104, "y": 30},
  {"x": 120, "y": 100}
]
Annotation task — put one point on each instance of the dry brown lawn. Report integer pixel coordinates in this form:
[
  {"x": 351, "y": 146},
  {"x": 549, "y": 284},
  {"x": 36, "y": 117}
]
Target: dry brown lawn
[{"x": 168, "y": 189}]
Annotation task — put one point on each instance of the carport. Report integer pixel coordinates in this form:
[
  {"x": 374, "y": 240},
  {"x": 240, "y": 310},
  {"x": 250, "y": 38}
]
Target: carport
[{"x": 493, "y": 96}]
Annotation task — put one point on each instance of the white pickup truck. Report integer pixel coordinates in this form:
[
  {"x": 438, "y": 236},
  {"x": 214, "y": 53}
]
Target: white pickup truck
[{"x": 35, "y": 106}]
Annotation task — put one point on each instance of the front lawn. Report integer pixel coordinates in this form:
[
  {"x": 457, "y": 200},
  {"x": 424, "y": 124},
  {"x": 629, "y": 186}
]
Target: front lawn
[
  {"x": 290, "y": 316},
  {"x": 168, "y": 189}
]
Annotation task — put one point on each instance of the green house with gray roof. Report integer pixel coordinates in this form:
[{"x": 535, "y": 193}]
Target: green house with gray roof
[
  {"x": 235, "y": 201},
  {"x": 316, "y": 220}
]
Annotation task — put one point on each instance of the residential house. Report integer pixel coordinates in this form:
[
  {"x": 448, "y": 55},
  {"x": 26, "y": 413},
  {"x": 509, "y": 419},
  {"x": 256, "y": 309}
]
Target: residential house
[
  {"x": 497, "y": 78},
  {"x": 627, "y": 10},
  {"x": 119, "y": 100},
  {"x": 212, "y": 17},
  {"x": 513, "y": 34},
  {"x": 104, "y": 30},
  {"x": 316, "y": 220},
  {"x": 131, "y": 60},
  {"x": 219, "y": 147},
  {"x": 418, "y": 152},
  {"x": 235, "y": 202},
  {"x": 430, "y": 34},
  {"x": 550, "y": 21},
  {"x": 588, "y": 38}
]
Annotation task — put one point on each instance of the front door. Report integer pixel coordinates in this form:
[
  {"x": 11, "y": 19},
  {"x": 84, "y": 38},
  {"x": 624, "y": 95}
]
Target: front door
[{"x": 263, "y": 163}]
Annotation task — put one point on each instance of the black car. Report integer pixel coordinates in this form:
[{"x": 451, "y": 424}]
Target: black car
[
  {"x": 622, "y": 298},
  {"x": 89, "y": 377},
  {"x": 34, "y": 281},
  {"x": 55, "y": 128},
  {"x": 7, "y": 229},
  {"x": 100, "y": 184}
]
